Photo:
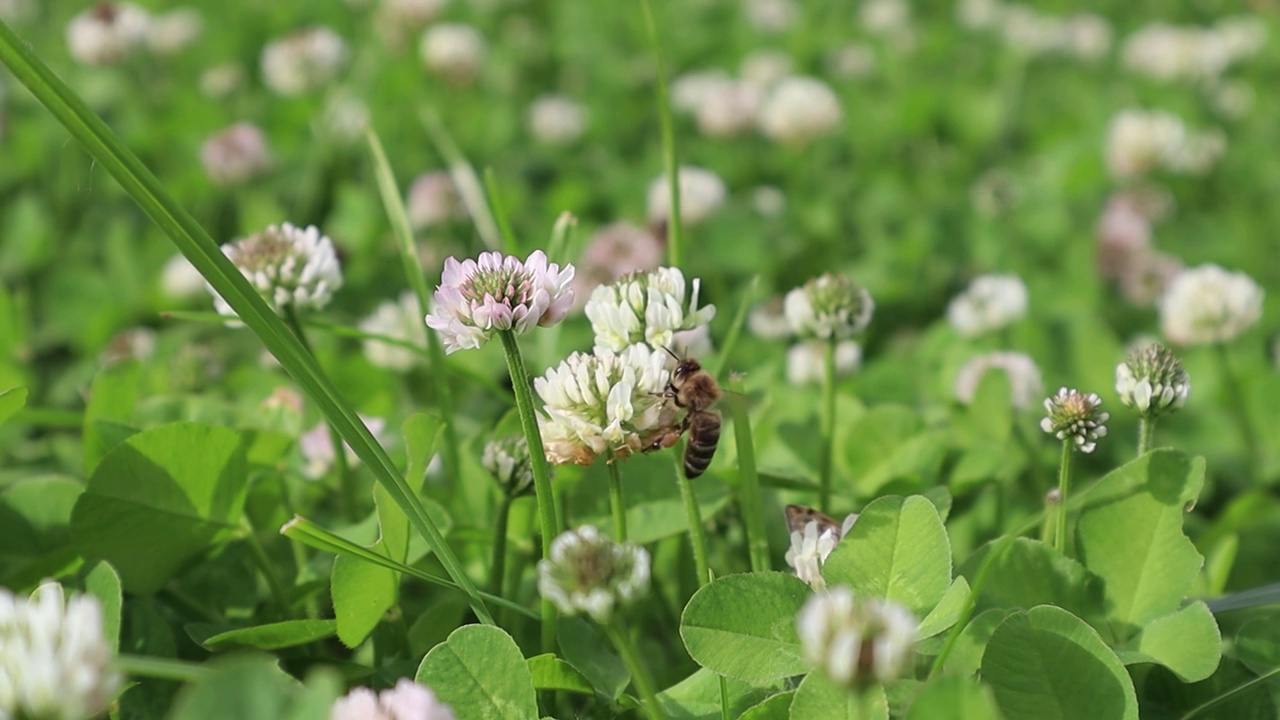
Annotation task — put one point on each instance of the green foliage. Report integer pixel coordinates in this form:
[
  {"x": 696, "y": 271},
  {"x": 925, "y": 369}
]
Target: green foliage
[
  {"x": 743, "y": 626},
  {"x": 481, "y": 674}
]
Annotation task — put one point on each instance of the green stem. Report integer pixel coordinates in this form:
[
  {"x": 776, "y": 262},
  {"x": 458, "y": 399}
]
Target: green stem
[
  {"x": 979, "y": 581},
  {"x": 675, "y": 230},
  {"x": 1064, "y": 481},
  {"x": 1146, "y": 429},
  {"x": 724, "y": 698},
  {"x": 639, "y": 673},
  {"x": 268, "y": 570},
  {"x": 694, "y": 515},
  {"x": 1233, "y": 691},
  {"x": 748, "y": 479},
  {"x": 162, "y": 668},
  {"x": 1239, "y": 407},
  {"x": 828, "y": 424},
  {"x": 616, "y": 501},
  {"x": 346, "y": 483},
  {"x": 498, "y": 566},
  {"x": 541, "y": 471}
]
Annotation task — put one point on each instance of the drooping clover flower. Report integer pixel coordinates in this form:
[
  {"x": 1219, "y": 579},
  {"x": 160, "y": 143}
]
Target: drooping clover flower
[
  {"x": 508, "y": 459},
  {"x": 557, "y": 120},
  {"x": 702, "y": 192},
  {"x": 235, "y": 154},
  {"x": 497, "y": 292},
  {"x": 645, "y": 307},
  {"x": 303, "y": 61},
  {"x": 805, "y": 360},
  {"x": 991, "y": 302},
  {"x": 857, "y": 641},
  {"x": 1152, "y": 380},
  {"x": 603, "y": 402},
  {"x": 288, "y": 266},
  {"x": 589, "y": 573},
  {"x": 810, "y": 547},
  {"x": 1023, "y": 374},
  {"x": 406, "y": 701},
  {"x": 398, "y": 319},
  {"x": 799, "y": 109},
  {"x": 55, "y": 661},
  {"x": 107, "y": 33},
  {"x": 453, "y": 51},
  {"x": 1075, "y": 417},
  {"x": 829, "y": 306},
  {"x": 1208, "y": 304}
]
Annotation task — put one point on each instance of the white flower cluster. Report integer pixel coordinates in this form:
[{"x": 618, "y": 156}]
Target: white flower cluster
[
  {"x": 174, "y": 31},
  {"x": 557, "y": 120},
  {"x": 1083, "y": 36},
  {"x": 316, "y": 446},
  {"x": 406, "y": 701},
  {"x": 799, "y": 109},
  {"x": 702, "y": 192},
  {"x": 1139, "y": 142},
  {"x": 605, "y": 402},
  {"x": 1024, "y": 377},
  {"x": 857, "y": 641},
  {"x": 1076, "y": 418},
  {"x": 1172, "y": 52},
  {"x": 454, "y": 51},
  {"x": 508, "y": 460},
  {"x": 397, "y": 319},
  {"x": 830, "y": 306},
  {"x": 107, "y": 33},
  {"x": 991, "y": 302},
  {"x": 810, "y": 547},
  {"x": 288, "y": 266},
  {"x": 805, "y": 360},
  {"x": 589, "y": 573},
  {"x": 305, "y": 60},
  {"x": 790, "y": 109},
  {"x": 235, "y": 154},
  {"x": 1208, "y": 304},
  {"x": 645, "y": 307},
  {"x": 55, "y": 662},
  {"x": 1125, "y": 250},
  {"x": 1152, "y": 381}
]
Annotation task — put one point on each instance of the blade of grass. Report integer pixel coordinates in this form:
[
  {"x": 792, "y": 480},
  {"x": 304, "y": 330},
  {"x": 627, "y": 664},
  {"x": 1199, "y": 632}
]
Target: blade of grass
[
  {"x": 735, "y": 330},
  {"x": 748, "y": 479},
  {"x": 465, "y": 178},
  {"x": 493, "y": 192},
  {"x": 203, "y": 253},
  {"x": 675, "y": 230}
]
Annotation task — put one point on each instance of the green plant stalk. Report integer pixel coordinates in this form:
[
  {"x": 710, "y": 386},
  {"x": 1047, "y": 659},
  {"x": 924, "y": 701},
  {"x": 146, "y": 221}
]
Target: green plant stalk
[
  {"x": 748, "y": 479},
  {"x": 541, "y": 471},
  {"x": 412, "y": 264},
  {"x": 1239, "y": 407},
  {"x": 1064, "y": 482},
  {"x": 1233, "y": 691},
  {"x": 616, "y": 502},
  {"x": 724, "y": 698},
  {"x": 828, "y": 430},
  {"x": 735, "y": 329},
  {"x": 465, "y": 179},
  {"x": 264, "y": 565},
  {"x": 675, "y": 230},
  {"x": 1146, "y": 429},
  {"x": 697, "y": 538},
  {"x": 639, "y": 672},
  {"x": 979, "y": 581},
  {"x": 346, "y": 481},
  {"x": 162, "y": 668},
  {"x": 498, "y": 566},
  {"x": 492, "y": 192}
]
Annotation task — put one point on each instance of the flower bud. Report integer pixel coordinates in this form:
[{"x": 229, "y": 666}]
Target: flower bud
[
  {"x": 508, "y": 459},
  {"x": 1075, "y": 417},
  {"x": 589, "y": 573},
  {"x": 1152, "y": 380},
  {"x": 829, "y": 306}
]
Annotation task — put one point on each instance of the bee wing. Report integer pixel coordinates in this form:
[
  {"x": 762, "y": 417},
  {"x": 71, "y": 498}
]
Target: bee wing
[{"x": 800, "y": 515}]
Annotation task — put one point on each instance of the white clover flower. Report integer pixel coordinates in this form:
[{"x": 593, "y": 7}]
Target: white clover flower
[
  {"x": 991, "y": 302},
  {"x": 180, "y": 279},
  {"x": 1088, "y": 36},
  {"x": 508, "y": 460},
  {"x": 1152, "y": 380},
  {"x": 851, "y": 61},
  {"x": 689, "y": 89},
  {"x": 345, "y": 117},
  {"x": 1139, "y": 142},
  {"x": 408, "y": 14},
  {"x": 219, "y": 81},
  {"x": 235, "y": 154},
  {"x": 799, "y": 109},
  {"x": 589, "y": 573},
  {"x": 1123, "y": 232},
  {"x": 557, "y": 120},
  {"x": 885, "y": 17},
  {"x": 763, "y": 68},
  {"x": 729, "y": 109},
  {"x": 316, "y": 445},
  {"x": 805, "y": 360},
  {"x": 494, "y": 292},
  {"x": 396, "y": 319},
  {"x": 979, "y": 14},
  {"x": 605, "y": 402},
  {"x": 702, "y": 192},
  {"x": 174, "y": 31},
  {"x": 768, "y": 201},
  {"x": 646, "y": 307},
  {"x": 1024, "y": 377},
  {"x": 693, "y": 343},
  {"x": 107, "y": 33},
  {"x": 1208, "y": 304},
  {"x": 288, "y": 266},
  {"x": 810, "y": 548},
  {"x": 856, "y": 642},
  {"x": 770, "y": 16},
  {"x": 768, "y": 321},
  {"x": 453, "y": 51},
  {"x": 1232, "y": 98},
  {"x": 14, "y": 12},
  {"x": 1147, "y": 275},
  {"x": 433, "y": 200},
  {"x": 829, "y": 306},
  {"x": 1075, "y": 417},
  {"x": 1170, "y": 52},
  {"x": 406, "y": 701},
  {"x": 1031, "y": 32},
  {"x": 305, "y": 60},
  {"x": 55, "y": 661}
]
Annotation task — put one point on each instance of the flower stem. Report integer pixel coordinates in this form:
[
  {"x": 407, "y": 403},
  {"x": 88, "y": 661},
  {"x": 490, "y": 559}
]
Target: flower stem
[
  {"x": 264, "y": 565},
  {"x": 696, "y": 537},
  {"x": 1238, "y": 406},
  {"x": 1146, "y": 429},
  {"x": 498, "y": 566},
  {"x": 616, "y": 502},
  {"x": 639, "y": 673},
  {"x": 541, "y": 472},
  {"x": 675, "y": 234},
  {"x": 748, "y": 479},
  {"x": 1064, "y": 480},
  {"x": 828, "y": 424}
]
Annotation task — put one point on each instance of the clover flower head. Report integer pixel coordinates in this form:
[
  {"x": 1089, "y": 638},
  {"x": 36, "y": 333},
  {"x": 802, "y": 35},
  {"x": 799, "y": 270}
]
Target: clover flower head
[
  {"x": 1208, "y": 304},
  {"x": 287, "y": 265},
  {"x": 498, "y": 293},
  {"x": 829, "y": 306},
  {"x": 557, "y": 120},
  {"x": 508, "y": 459},
  {"x": 729, "y": 109},
  {"x": 805, "y": 360},
  {"x": 604, "y": 402},
  {"x": 235, "y": 154},
  {"x": 316, "y": 445},
  {"x": 799, "y": 109},
  {"x": 991, "y": 302},
  {"x": 645, "y": 307},
  {"x": 454, "y": 51},
  {"x": 107, "y": 33},
  {"x": 1075, "y": 417},
  {"x": 589, "y": 573},
  {"x": 1152, "y": 380},
  {"x": 174, "y": 31},
  {"x": 810, "y": 547},
  {"x": 857, "y": 641},
  {"x": 302, "y": 61},
  {"x": 433, "y": 199},
  {"x": 688, "y": 90},
  {"x": 55, "y": 661},
  {"x": 406, "y": 701},
  {"x": 1023, "y": 374},
  {"x": 702, "y": 192},
  {"x": 396, "y": 319}
]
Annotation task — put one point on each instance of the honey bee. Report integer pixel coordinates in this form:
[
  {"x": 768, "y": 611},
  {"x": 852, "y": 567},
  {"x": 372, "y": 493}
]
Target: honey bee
[
  {"x": 800, "y": 515},
  {"x": 694, "y": 390}
]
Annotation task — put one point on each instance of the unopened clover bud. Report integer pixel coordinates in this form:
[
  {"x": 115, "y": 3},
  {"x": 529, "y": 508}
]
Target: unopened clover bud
[
  {"x": 508, "y": 459},
  {"x": 1075, "y": 417},
  {"x": 589, "y": 573},
  {"x": 829, "y": 306},
  {"x": 1152, "y": 380}
]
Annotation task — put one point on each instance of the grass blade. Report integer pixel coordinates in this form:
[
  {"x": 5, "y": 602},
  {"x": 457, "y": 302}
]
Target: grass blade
[{"x": 465, "y": 178}]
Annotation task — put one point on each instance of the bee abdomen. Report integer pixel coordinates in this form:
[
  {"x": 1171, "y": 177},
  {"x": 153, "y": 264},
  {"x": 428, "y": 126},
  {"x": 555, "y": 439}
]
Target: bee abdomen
[{"x": 704, "y": 436}]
